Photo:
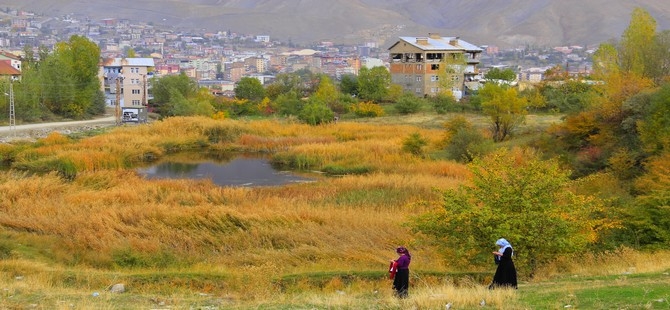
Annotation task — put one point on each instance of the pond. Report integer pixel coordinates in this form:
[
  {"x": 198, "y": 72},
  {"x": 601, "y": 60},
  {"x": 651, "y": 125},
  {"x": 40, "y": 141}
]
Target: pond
[{"x": 240, "y": 171}]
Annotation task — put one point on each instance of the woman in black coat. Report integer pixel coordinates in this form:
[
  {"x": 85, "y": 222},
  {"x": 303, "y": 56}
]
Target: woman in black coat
[{"x": 506, "y": 272}]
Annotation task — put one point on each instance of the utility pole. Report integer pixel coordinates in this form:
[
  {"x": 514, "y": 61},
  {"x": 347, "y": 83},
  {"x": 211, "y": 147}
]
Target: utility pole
[
  {"x": 12, "y": 115},
  {"x": 117, "y": 110},
  {"x": 144, "y": 90}
]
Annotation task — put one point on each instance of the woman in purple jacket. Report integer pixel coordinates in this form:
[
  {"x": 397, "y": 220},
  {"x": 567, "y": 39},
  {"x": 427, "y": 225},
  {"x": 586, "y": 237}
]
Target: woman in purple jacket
[{"x": 401, "y": 279}]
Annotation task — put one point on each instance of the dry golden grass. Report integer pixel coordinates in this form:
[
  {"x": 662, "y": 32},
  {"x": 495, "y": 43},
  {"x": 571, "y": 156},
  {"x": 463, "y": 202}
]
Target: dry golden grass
[
  {"x": 110, "y": 222},
  {"x": 618, "y": 262}
]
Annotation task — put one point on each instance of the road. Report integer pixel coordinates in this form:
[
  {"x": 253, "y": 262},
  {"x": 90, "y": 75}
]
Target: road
[{"x": 42, "y": 129}]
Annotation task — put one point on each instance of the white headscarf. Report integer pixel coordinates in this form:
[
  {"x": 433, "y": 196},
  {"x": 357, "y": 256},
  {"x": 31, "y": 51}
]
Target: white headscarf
[{"x": 503, "y": 244}]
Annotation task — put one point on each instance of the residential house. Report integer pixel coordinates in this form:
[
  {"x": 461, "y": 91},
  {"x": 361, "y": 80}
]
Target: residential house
[
  {"x": 13, "y": 60},
  {"x": 126, "y": 79},
  {"x": 418, "y": 63},
  {"x": 8, "y": 72}
]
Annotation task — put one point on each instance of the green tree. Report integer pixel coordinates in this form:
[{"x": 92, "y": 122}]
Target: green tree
[
  {"x": 450, "y": 73},
  {"x": 650, "y": 215},
  {"x": 328, "y": 93},
  {"x": 199, "y": 104},
  {"x": 635, "y": 41},
  {"x": 505, "y": 109},
  {"x": 81, "y": 58},
  {"x": 514, "y": 195},
  {"x": 289, "y": 104},
  {"x": 250, "y": 88},
  {"x": 497, "y": 74},
  {"x": 373, "y": 84},
  {"x": 315, "y": 113},
  {"x": 163, "y": 88},
  {"x": 284, "y": 83},
  {"x": 654, "y": 125},
  {"x": 349, "y": 84}
]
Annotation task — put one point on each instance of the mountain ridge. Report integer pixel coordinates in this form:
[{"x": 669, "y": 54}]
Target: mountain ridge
[{"x": 507, "y": 24}]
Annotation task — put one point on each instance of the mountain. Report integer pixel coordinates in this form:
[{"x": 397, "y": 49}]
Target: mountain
[{"x": 505, "y": 23}]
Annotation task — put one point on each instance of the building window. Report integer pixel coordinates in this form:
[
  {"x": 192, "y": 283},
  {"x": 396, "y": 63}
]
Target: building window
[
  {"x": 434, "y": 78},
  {"x": 434, "y": 67},
  {"x": 417, "y": 90},
  {"x": 419, "y": 67},
  {"x": 136, "y": 91},
  {"x": 136, "y": 102},
  {"x": 418, "y": 78}
]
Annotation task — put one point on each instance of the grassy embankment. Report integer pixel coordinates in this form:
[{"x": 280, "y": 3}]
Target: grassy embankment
[{"x": 183, "y": 244}]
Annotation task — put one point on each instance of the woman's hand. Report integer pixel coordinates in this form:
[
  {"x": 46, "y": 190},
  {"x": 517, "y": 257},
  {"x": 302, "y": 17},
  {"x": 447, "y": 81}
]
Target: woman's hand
[{"x": 497, "y": 253}]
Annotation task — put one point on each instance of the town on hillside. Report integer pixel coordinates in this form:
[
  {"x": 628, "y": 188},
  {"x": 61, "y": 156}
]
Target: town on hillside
[{"x": 218, "y": 60}]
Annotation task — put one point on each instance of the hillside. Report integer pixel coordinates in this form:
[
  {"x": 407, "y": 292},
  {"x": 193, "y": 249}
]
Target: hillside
[{"x": 508, "y": 23}]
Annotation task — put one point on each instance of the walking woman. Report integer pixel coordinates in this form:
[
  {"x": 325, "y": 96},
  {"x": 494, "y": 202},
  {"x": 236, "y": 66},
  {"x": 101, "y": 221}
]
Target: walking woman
[
  {"x": 505, "y": 275},
  {"x": 401, "y": 279}
]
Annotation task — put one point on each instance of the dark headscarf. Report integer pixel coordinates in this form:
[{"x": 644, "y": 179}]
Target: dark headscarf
[{"x": 403, "y": 250}]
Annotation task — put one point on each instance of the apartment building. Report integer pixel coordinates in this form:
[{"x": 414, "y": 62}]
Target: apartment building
[
  {"x": 420, "y": 64},
  {"x": 127, "y": 77}
]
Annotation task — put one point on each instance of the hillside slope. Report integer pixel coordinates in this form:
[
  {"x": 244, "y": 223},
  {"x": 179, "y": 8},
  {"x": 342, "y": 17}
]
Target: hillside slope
[{"x": 507, "y": 23}]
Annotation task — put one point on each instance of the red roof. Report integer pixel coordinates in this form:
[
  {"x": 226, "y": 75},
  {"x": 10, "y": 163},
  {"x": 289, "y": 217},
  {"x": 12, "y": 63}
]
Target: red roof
[
  {"x": 7, "y": 69},
  {"x": 10, "y": 55}
]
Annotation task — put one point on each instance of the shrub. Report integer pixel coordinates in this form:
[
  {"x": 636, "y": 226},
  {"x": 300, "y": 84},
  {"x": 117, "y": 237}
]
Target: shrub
[
  {"x": 367, "y": 109},
  {"x": 444, "y": 102},
  {"x": 315, "y": 113},
  {"x": 339, "y": 170},
  {"x": 414, "y": 144},
  {"x": 408, "y": 104}
]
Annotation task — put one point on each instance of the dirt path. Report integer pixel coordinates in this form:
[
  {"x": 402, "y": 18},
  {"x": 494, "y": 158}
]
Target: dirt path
[{"x": 33, "y": 131}]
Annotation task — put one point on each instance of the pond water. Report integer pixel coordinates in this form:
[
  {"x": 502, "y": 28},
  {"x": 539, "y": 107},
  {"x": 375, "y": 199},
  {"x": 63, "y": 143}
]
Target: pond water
[{"x": 239, "y": 172}]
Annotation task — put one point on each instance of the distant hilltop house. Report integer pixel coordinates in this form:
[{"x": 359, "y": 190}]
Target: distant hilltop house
[
  {"x": 418, "y": 63},
  {"x": 126, "y": 79}
]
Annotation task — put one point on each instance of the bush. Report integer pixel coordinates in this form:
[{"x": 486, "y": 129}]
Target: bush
[
  {"x": 466, "y": 144},
  {"x": 315, "y": 113},
  {"x": 414, "y": 144},
  {"x": 367, "y": 109},
  {"x": 339, "y": 170},
  {"x": 408, "y": 104},
  {"x": 444, "y": 102}
]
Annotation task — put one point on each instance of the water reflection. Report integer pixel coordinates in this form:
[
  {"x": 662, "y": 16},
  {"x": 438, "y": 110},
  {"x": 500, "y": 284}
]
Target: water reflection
[{"x": 239, "y": 171}]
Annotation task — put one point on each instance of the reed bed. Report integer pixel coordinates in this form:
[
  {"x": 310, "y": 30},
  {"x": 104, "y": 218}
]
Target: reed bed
[{"x": 88, "y": 220}]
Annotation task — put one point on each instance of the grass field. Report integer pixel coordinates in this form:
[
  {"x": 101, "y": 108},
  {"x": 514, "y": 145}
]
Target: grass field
[{"x": 76, "y": 219}]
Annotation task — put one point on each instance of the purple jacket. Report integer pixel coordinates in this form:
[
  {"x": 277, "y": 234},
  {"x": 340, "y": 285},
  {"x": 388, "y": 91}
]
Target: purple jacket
[{"x": 403, "y": 262}]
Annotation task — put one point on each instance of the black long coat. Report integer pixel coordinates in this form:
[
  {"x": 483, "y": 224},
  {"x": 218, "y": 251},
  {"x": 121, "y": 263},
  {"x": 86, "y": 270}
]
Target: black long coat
[{"x": 506, "y": 272}]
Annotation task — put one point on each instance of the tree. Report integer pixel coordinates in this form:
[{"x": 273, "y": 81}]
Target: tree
[
  {"x": 515, "y": 195},
  {"x": 505, "y": 109},
  {"x": 650, "y": 218},
  {"x": 316, "y": 113},
  {"x": 80, "y": 58},
  {"x": 635, "y": 41},
  {"x": 654, "y": 126},
  {"x": 250, "y": 88},
  {"x": 506, "y": 74},
  {"x": 164, "y": 88},
  {"x": 284, "y": 83},
  {"x": 450, "y": 72},
  {"x": 349, "y": 84},
  {"x": 328, "y": 94},
  {"x": 373, "y": 83}
]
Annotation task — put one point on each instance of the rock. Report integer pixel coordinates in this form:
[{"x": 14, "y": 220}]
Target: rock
[{"x": 118, "y": 288}]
